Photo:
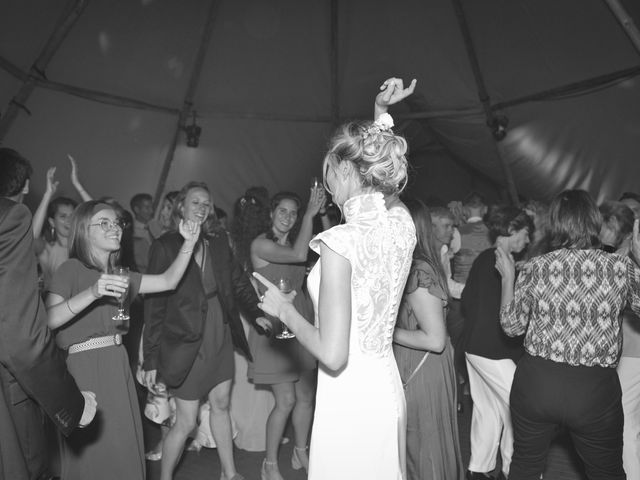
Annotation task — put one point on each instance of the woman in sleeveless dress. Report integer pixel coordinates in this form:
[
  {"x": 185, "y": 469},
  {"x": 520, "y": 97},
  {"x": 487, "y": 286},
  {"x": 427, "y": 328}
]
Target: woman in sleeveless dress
[
  {"x": 425, "y": 359},
  {"x": 283, "y": 364},
  {"x": 356, "y": 286},
  {"x": 51, "y": 224}
]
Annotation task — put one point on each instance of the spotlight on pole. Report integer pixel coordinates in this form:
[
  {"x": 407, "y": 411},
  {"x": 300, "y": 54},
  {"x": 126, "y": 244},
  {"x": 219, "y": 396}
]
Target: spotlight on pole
[{"x": 193, "y": 133}]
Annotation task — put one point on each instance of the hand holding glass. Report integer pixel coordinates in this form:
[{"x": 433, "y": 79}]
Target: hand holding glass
[
  {"x": 123, "y": 300},
  {"x": 284, "y": 285}
]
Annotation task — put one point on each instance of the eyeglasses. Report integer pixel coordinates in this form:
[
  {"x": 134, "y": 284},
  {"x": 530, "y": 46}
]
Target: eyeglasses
[{"x": 107, "y": 225}]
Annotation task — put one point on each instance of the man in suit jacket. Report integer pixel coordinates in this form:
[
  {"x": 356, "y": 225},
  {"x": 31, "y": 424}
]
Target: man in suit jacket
[{"x": 33, "y": 373}]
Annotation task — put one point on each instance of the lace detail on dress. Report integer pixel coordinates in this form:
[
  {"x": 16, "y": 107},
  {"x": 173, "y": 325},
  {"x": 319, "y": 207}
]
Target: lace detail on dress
[{"x": 378, "y": 244}]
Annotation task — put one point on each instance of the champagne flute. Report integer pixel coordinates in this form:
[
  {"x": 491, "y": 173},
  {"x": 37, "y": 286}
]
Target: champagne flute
[
  {"x": 284, "y": 285},
  {"x": 123, "y": 304}
]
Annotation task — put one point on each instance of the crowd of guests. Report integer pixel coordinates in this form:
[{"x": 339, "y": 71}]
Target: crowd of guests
[{"x": 399, "y": 309}]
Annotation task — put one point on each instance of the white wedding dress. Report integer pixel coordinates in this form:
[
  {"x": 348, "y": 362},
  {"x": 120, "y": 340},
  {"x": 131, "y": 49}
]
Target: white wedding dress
[{"x": 360, "y": 419}]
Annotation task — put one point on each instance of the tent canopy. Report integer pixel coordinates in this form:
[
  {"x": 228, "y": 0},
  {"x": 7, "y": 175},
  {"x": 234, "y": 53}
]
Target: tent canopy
[{"x": 276, "y": 76}]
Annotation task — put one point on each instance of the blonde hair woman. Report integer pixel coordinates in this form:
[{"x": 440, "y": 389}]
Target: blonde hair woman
[{"x": 356, "y": 287}]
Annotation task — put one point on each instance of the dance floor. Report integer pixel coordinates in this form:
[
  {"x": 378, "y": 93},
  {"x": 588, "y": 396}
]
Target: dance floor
[{"x": 562, "y": 461}]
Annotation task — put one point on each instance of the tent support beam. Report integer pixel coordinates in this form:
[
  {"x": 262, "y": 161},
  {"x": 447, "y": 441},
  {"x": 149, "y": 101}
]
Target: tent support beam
[
  {"x": 571, "y": 88},
  {"x": 626, "y": 21},
  {"x": 88, "y": 94},
  {"x": 187, "y": 105},
  {"x": 483, "y": 95},
  {"x": 38, "y": 69}
]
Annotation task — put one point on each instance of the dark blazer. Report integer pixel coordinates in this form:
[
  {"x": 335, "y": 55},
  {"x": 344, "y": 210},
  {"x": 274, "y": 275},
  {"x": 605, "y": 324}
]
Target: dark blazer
[
  {"x": 32, "y": 367},
  {"x": 174, "y": 320}
]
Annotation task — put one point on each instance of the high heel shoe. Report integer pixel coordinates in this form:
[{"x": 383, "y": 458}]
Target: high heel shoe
[
  {"x": 270, "y": 471},
  {"x": 300, "y": 458}
]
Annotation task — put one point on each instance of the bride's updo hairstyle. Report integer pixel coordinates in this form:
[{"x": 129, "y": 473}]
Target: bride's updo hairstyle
[{"x": 376, "y": 153}]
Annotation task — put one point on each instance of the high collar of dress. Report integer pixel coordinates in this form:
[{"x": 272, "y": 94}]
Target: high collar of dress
[{"x": 364, "y": 206}]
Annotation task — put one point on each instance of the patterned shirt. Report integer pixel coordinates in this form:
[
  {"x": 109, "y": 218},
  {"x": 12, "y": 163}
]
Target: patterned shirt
[{"x": 572, "y": 301}]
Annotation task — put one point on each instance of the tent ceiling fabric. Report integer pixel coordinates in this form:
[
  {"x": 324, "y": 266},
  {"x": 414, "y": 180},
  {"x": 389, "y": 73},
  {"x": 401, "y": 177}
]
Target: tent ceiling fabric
[{"x": 271, "y": 60}]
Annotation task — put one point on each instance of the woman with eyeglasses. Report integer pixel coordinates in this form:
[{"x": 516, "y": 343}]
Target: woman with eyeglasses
[{"x": 81, "y": 303}]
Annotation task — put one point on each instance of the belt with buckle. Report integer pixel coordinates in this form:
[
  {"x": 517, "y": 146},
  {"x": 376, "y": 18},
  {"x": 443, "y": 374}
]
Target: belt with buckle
[{"x": 97, "y": 342}]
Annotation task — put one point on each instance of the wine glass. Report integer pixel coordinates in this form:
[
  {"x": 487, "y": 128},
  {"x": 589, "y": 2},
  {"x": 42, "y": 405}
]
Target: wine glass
[
  {"x": 123, "y": 304},
  {"x": 284, "y": 285}
]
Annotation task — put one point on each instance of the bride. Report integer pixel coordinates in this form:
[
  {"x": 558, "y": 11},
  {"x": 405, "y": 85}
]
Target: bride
[{"x": 356, "y": 287}]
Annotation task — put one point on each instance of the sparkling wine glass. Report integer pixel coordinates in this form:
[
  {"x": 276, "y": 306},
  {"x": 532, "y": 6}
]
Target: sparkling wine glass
[
  {"x": 284, "y": 285},
  {"x": 123, "y": 300}
]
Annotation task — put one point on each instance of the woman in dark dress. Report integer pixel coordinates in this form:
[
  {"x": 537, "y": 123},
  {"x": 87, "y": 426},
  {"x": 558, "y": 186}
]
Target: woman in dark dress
[
  {"x": 188, "y": 333},
  {"x": 283, "y": 364},
  {"x": 424, "y": 355},
  {"x": 80, "y": 310}
]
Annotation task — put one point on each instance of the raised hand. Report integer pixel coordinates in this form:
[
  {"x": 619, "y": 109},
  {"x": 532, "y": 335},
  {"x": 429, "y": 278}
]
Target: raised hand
[
  {"x": 52, "y": 185},
  {"x": 190, "y": 231},
  {"x": 89, "y": 411},
  {"x": 505, "y": 264},
  {"x": 273, "y": 302},
  {"x": 109, "y": 286},
  {"x": 392, "y": 91},
  {"x": 316, "y": 200},
  {"x": 74, "y": 170}
]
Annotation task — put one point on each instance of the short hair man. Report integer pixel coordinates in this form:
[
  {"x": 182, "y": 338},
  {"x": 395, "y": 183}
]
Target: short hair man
[
  {"x": 474, "y": 236},
  {"x": 443, "y": 223},
  {"x": 142, "y": 208},
  {"x": 33, "y": 373}
]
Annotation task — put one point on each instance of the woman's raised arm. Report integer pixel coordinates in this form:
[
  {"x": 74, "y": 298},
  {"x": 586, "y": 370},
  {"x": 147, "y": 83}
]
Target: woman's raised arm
[
  {"x": 172, "y": 275},
  {"x": 263, "y": 249},
  {"x": 40, "y": 215},
  {"x": 392, "y": 91}
]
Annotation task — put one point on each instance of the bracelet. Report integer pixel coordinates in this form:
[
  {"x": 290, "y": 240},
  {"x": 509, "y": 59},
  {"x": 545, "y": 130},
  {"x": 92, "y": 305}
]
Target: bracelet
[
  {"x": 69, "y": 307},
  {"x": 188, "y": 252}
]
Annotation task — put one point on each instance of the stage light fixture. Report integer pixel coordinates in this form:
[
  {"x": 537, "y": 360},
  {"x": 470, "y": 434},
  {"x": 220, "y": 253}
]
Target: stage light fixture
[{"x": 193, "y": 132}]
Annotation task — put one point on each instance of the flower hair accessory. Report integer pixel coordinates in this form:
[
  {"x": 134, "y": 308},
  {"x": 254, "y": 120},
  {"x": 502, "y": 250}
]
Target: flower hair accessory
[{"x": 382, "y": 124}]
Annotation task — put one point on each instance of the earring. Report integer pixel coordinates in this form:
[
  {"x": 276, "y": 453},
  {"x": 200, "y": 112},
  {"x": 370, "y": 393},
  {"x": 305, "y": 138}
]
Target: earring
[{"x": 53, "y": 231}]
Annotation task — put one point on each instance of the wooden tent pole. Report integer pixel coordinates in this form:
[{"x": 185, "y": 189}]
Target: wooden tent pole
[
  {"x": 37, "y": 70},
  {"x": 482, "y": 93},
  {"x": 626, "y": 21},
  {"x": 335, "y": 95},
  {"x": 187, "y": 105}
]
